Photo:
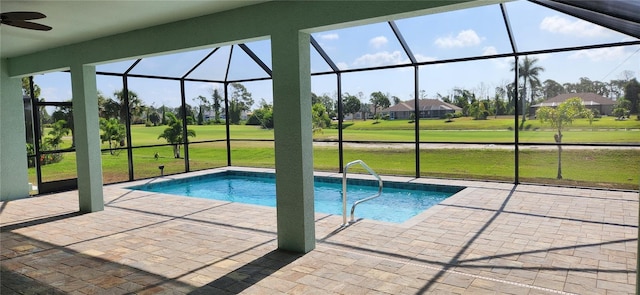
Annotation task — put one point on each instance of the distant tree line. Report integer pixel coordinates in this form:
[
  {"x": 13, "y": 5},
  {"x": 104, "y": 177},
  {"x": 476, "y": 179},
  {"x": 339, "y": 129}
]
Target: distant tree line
[
  {"x": 475, "y": 103},
  {"x": 531, "y": 90}
]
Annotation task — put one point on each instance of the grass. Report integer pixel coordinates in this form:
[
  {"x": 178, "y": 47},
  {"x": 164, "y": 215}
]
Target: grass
[
  {"x": 596, "y": 136},
  {"x": 600, "y": 167},
  {"x": 602, "y": 130},
  {"x": 615, "y": 168},
  {"x": 492, "y": 123}
]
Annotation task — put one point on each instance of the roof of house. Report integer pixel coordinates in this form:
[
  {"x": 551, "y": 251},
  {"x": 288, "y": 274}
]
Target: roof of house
[
  {"x": 588, "y": 99},
  {"x": 423, "y": 105}
]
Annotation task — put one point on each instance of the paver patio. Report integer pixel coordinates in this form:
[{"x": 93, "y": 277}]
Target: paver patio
[{"x": 489, "y": 238}]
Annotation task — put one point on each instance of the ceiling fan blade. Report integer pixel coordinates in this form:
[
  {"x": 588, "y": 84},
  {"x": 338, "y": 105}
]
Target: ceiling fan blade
[
  {"x": 21, "y": 15},
  {"x": 27, "y": 25}
]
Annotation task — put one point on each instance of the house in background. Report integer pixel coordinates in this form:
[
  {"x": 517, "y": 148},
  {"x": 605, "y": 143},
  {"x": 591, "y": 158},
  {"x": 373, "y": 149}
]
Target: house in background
[
  {"x": 363, "y": 114},
  {"x": 428, "y": 108},
  {"x": 592, "y": 101}
]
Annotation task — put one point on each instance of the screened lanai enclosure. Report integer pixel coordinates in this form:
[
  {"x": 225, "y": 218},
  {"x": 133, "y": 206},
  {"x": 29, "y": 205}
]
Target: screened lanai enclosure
[{"x": 489, "y": 68}]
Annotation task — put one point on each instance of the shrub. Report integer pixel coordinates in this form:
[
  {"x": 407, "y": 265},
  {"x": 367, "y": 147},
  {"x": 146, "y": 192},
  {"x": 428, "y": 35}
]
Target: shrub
[
  {"x": 449, "y": 117},
  {"x": 261, "y": 117}
]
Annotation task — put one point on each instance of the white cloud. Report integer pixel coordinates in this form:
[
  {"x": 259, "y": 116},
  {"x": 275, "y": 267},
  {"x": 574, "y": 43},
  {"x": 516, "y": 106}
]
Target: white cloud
[
  {"x": 489, "y": 50},
  {"x": 382, "y": 58},
  {"x": 560, "y": 25},
  {"x": 465, "y": 38},
  {"x": 378, "y": 42},
  {"x": 342, "y": 65},
  {"x": 600, "y": 54},
  {"x": 332, "y": 36},
  {"x": 423, "y": 58}
]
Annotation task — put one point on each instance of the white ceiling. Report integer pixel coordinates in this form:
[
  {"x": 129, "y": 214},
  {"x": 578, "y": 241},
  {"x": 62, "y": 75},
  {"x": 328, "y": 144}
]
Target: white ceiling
[{"x": 81, "y": 20}]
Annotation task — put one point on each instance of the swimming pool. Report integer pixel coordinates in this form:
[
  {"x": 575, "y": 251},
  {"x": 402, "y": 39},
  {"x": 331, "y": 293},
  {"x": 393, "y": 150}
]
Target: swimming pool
[{"x": 398, "y": 202}]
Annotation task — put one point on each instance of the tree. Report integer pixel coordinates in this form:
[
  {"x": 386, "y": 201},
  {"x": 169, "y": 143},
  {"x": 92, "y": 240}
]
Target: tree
[
  {"x": 511, "y": 91},
  {"x": 463, "y": 98},
  {"x": 217, "y": 99},
  {"x": 478, "y": 110},
  {"x": 186, "y": 111},
  {"x": 65, "y": 113},
  {"x": 365, "y": 110},
  {"x": 621, "y": 109},
  {"x": 203, "y": 105},
  {"x": 26, "y": 88},
  {"x": 551, "y": 88},
  {"x": 173, "y": 134},
  {"x": 164, "y": 116},
  {"x": 498, "y": 105},
  {"x": 396, "y": 100},
  {"x": 136, "y": 106},
  {"x": 327, "y": 101},
  {"x": 351, "y": 104},
  {"x": 262, "y": 116},
  {"x": 154, "y": 117},
  {"x": 632, "y": 94},
  {"x": 147, "y": 113},
  {"x": 107, "y": 107},
  {"x": 586, "y": 85},
  {"x": 319, "y": 117},
  {"x": 445, "y": 98},
  {"x": 528, "y": 71},
  {"x": 200, "y": 116},
  {"x": 379, "y": 100},
  {"x": 616, "y": 88},
  {"x": 240, "y": 101},
  {"x": 113, "y": 132},
  {"x": 58, "y": 130},
  {"x": 562, "y": 116}
]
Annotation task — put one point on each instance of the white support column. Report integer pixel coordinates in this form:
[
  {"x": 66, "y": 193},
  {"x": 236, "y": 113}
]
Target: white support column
[
  {"x": 14, "y": 179},
  {"x": 87, "y": 134},
  {"x": 293, "y": 140}
]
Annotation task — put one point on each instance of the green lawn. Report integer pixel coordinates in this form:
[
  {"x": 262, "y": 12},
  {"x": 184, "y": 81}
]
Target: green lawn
[
  {"x": 596, "y": 136},
  {"x": 600, "y": 167},
  {"x": 499, "y": 123},
  {"x": 603, "y": 130}
]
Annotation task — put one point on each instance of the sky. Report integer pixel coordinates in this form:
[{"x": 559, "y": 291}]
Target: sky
[{"x": 478, "y": 31}]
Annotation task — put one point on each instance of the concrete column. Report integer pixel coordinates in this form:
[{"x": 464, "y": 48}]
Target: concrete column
[
  {"x": 293, "y": 140},
  {"x": 14, "y": 179},
  {"x": 87, "y": 134}
]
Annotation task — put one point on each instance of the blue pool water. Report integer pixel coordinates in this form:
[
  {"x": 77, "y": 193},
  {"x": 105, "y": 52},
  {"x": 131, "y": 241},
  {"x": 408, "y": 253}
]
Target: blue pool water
[{"x": 398, "y": 202}]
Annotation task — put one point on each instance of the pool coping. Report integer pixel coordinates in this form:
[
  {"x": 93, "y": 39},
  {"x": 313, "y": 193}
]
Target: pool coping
[{"x": 422, "y": 216}]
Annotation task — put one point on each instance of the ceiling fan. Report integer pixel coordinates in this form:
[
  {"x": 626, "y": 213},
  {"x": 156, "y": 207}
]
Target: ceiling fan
[{"x": 21, "y": 19}]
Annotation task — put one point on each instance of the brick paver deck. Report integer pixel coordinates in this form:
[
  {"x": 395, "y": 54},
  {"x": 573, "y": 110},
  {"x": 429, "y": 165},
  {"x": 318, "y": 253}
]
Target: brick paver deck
[{"x": 490, "y": 238}]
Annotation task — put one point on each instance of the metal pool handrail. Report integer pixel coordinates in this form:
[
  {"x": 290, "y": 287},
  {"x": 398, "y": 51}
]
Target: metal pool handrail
[{"x": 344, "y": 190}]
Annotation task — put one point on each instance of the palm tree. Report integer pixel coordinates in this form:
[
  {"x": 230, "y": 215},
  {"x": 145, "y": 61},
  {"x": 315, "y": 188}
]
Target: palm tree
[
  {"x": 528, "y": 71},
  {"x": 173, "y": 133},
  {"x": 136, "y": 106},
  {"x": 562, "y": 116},
  {"x": 112, "y": 132}
]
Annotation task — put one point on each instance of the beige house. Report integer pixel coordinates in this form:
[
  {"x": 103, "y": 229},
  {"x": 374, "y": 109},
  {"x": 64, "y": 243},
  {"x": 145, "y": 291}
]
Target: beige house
[
  {"x": 429, "y": 108},
  {"x": 592, "y": 101}
]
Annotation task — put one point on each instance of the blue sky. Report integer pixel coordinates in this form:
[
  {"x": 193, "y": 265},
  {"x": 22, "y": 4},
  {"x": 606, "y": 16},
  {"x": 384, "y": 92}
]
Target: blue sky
[{"x": 472, "y": 32}]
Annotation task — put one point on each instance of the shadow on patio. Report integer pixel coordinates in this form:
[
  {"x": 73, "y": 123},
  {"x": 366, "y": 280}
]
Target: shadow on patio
[{"x": 484, "y": 240}]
